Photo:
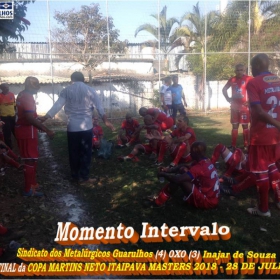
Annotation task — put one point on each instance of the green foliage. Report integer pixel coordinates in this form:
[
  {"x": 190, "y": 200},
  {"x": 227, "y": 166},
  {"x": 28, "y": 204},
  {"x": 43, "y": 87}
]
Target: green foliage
[
  {"x": 166, "y": 26},
  {"x": 13, "y": 29},
  {"x": 156, "y": 99},
  {"x": 218, "y": 67},
  {"x": 83, "y": 35}
]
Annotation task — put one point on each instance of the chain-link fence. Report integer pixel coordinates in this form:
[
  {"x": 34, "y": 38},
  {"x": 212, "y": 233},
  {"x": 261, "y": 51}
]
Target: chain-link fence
[{"x": 126, "y": 48}]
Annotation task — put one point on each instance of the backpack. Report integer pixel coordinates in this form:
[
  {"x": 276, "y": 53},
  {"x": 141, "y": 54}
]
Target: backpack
[{"x": 106, "y": 149}]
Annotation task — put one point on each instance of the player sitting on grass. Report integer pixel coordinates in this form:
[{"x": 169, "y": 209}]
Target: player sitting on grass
[
  {"x": 158, "y": 116},
  {"x": 97, "y": 133},
  {"x": 153, "y": 131},
  {"x": 7, "y": 156},
  {"x": 179, "y": 142},
  {"x": 131, "y": 129},
  {"x": 235, "y": 162},
  {"x": 199, "y": 182}
]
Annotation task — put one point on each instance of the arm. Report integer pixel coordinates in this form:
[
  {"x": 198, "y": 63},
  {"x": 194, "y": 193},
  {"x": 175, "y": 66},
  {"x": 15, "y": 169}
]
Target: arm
[
  {"x": 225, "y": 89},
  {"x": 182, "y": 139},
  {"x": 107, "y": 123},
  {"x": 29, "y": 117},
  {"x": 184, "y": 99},
  {"x": 259, "y": 113}
]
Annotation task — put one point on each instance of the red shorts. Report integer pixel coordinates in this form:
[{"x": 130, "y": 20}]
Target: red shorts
[
  {"x": 167, "y": 124},
  {"x": 28, "y": 148},
  {"x": 240, "y": 116},
  {"x": 199, "y": 200},
  {"x": 149, "y": 149},
  {"x": 262, "y": 158}
]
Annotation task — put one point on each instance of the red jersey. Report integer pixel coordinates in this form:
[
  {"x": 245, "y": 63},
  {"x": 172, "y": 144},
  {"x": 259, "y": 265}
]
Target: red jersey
[
  {"x": 178, "y": 133},
  {"x": 130, "y": 127},
  {"x": 97, "y": 132},
  {"x": 238, "y": 91},
  {"x": 25, "y": 103},
  {"x": 161, "y": 116},
  {"x": 265, "y": 90},
  {"x": 205, "y": 177}
]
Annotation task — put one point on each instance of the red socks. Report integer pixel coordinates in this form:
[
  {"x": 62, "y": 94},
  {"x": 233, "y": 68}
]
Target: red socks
[
  {"x": 29, "y": 176},
  {"x": 234, "y": 135},
  {"x": 246, "y": 183},
  {"x": 162, "y": 150},
  {"x": 246, "y": 136},
  {"x": 219, "y": 149},
  {"x": 181, "y": 151},
  {"x": 163, "y": 196}
]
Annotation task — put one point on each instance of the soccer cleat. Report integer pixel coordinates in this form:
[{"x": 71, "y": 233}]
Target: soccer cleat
[
  {"x": 228, "y": 180},
  {"x": 33, "y": 192},
  {"x": 158, "y": 163},
  {"x": 152, "y": 204},
  {"x": 256, "y": 212},
  {"x": 227, "y": 190},
  {"x": 119, "y": 146},
  {"x": 124, "y": 158},
  {"x": 172, "y": 164}
]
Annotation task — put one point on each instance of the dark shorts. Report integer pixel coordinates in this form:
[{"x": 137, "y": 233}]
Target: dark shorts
[{"x": 180, "y": 108}]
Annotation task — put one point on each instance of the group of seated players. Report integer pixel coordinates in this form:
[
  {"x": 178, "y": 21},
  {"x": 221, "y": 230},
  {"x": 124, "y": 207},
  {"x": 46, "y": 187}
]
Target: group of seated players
[{"x": 189, "y": 168}]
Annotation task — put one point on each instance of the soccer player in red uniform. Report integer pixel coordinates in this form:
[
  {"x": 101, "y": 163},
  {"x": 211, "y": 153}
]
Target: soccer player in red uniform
[
  {"x": 179, "y": 143},
  {"x": 26, "y": 131},
  {"x": 97, "y": 133},
  {"x": 239, "y": 104},
  {"x": 130, "y": 127},
  {"x": 153, "y": 134},
  {"x": 159, "y": 116},
  {"x": 199, "y": 182},
  {"x": 236, "y": 161},
  {"x": 264, "y": 97}
]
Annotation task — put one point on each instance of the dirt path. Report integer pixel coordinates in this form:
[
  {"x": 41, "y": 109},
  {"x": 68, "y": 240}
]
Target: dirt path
[{"x": 38, "y": 217}]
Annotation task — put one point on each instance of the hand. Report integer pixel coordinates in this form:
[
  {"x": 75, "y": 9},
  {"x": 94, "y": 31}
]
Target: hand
[
  {"x": 183, "y": 169},
  {"x": 50, "y": 133},
  {"x": 246, "y": 104},
  {"x": 42, "y": 119},
  {"x": 149, "y": 136},
  {"x": 110, "y": 125}
]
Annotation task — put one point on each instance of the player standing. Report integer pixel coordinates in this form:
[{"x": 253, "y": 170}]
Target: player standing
[
  {"x": 239, "y": 104},
  {"x": 264, "y": 97}
]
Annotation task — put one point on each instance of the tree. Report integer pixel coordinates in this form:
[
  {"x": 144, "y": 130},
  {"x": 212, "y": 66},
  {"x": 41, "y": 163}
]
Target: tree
[
  {"x": 165, "y": 28},
  {"x": 232, "y": 31},
  {"x": 191, "y": 35},
  {"x": 83, "y": 36},
  {"x": 13, "y": 28}
]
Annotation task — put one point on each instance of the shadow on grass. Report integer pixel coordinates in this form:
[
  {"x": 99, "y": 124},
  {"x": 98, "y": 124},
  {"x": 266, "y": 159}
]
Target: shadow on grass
[{"x": 118, "y": 198}]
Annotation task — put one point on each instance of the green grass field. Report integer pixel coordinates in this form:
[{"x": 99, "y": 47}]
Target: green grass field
[{"x": 118, "y": 198}]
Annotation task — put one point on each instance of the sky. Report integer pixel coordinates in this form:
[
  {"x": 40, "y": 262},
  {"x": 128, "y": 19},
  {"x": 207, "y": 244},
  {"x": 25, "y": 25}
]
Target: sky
[{"x": 127, "y": 15}]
